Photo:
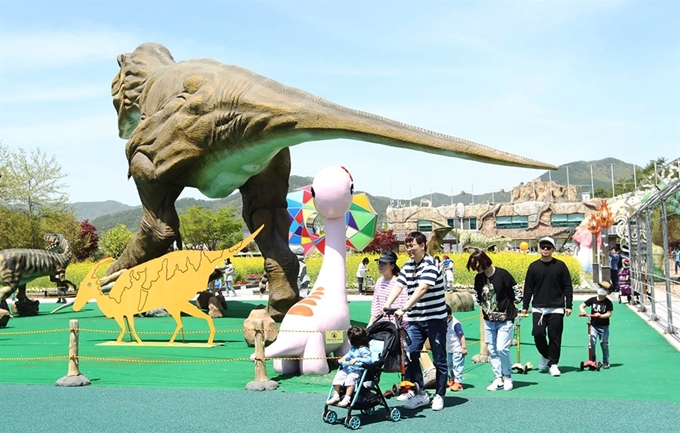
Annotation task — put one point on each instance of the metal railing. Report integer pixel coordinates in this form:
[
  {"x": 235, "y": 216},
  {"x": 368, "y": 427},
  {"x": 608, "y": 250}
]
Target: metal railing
[{"x": 656, "y": 290}]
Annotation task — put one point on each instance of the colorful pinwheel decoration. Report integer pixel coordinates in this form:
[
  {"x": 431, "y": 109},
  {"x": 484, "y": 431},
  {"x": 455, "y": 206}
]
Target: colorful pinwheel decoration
[{"x": 361, "y": 221}]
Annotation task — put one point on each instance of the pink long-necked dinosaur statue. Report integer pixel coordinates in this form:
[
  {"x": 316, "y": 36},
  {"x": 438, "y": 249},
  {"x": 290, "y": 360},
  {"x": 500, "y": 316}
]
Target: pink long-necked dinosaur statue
[{"x": 303, "y": 329}]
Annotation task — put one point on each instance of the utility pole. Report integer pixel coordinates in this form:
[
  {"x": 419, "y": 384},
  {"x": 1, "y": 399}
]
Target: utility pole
[
  {"x": 612, "y": 172},
  {"x": 568, "y": 189},
  {"x": 592, "y": 183}
]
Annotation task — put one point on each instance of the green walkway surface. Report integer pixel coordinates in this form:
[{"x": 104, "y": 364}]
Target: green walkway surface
[{"x": 149, "y": 385}]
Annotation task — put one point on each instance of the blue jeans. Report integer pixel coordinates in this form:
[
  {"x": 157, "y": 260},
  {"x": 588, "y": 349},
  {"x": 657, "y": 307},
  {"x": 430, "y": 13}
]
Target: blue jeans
[
  {"x": 230, "y": 287},
  {"x": 435, "y": 330},
  {"x": 601, "y": 332},
  {"x": 498, "y": 336},
  {"x": 455, "y": 362}
]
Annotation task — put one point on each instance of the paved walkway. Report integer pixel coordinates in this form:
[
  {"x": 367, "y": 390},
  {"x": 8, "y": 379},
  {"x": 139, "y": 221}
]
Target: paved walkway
[{"x": 626, "y": 398}]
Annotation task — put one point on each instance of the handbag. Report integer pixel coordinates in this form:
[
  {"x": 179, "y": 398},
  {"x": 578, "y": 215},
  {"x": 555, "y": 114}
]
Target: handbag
[{"x": 497, "y": 316}]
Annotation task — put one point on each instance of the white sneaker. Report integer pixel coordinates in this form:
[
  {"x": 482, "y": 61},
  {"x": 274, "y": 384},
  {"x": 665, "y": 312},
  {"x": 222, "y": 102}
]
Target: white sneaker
[
  {"x": 345, "y": 401},
  {"x": 405, "y": 396},
  {"x": 437, "y": 402},
  {"x": 507, "y": 383},
  {"x": 333, "y": 400},
  {"x": 543, "y": 365},
  {"x": 495, "y": 385},
  {"x": 554, "y": 371},
  {"x": 417, "y": 401}
]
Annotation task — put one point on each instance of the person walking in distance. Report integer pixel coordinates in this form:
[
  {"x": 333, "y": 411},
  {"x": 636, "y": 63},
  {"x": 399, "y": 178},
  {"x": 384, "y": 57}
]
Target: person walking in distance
[
  {"x": 361, "y": 274},
  {"x": 229, "y": 273},
  {"x": 426, "y": 306},
  {"x": 548, "y": 288}
]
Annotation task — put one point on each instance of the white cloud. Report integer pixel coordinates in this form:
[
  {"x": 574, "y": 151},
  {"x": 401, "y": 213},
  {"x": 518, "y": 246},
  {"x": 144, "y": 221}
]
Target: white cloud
[
  {"x": 53, "y": 49},
  {"x": 33, "y": 94}
]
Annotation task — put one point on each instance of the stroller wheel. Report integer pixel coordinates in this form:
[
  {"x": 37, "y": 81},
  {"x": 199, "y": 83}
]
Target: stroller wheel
[
  {"x": 330, "y": 417},
  {"x": 582, "y": 365},
  {"x": 354, "y": 423},
  {"x": 395, "y": 415},
  {"x": 370, "y": 411}
]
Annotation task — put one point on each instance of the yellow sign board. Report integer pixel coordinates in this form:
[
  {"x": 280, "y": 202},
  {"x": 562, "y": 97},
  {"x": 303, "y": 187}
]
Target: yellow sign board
[{"x": 334, "y": 337}]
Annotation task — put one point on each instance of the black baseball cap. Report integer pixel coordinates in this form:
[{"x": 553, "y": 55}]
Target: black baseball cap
[{"x": 387, "y": 257}]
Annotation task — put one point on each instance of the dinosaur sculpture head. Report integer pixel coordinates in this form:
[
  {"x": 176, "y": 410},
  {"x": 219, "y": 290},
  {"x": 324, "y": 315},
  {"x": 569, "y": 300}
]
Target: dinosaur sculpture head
[
  {"x": 55, "y": 242},
  {"x": 332, "y": 190},
  {"x": 130, "y": 82}
]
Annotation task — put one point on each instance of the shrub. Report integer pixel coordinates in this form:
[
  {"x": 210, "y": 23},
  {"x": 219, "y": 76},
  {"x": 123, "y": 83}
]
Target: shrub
[{"x": 515, "y": 263}]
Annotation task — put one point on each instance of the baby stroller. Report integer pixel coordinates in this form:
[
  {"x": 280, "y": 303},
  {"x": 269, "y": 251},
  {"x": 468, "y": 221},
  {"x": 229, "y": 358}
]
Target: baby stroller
[{"x": 385, "y": 346}]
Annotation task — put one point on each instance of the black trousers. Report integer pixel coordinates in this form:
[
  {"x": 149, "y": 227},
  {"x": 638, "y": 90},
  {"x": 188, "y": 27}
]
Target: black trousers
[
  {"x": 554, "y": 324},
  {"x": 615, "y": 280}
]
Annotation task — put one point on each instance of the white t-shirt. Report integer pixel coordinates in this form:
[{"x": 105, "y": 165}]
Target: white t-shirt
[{"x": 361, "y": 271}]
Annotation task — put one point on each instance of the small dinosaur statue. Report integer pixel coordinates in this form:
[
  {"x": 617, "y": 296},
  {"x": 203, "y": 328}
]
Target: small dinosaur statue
[
  {"x": 474, "y": 239},
  {"x": 217, "y": 128},
  {"x": 19, "y": 266}
]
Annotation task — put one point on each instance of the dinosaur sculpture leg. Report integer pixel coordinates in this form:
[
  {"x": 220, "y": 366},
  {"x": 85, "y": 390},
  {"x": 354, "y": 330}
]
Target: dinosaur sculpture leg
[
  {"x": 264, "y": 202},
  {"x": 5, "y": 292},
  {"x": 160, "y": 224}
]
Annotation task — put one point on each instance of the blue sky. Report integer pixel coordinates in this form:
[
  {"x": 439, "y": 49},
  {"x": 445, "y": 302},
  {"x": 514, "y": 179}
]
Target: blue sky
[{"x": 557, "y": 81}]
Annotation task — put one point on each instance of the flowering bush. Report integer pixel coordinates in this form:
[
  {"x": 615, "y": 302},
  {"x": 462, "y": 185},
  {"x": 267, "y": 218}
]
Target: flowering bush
[{"x": 253, "y": 267}]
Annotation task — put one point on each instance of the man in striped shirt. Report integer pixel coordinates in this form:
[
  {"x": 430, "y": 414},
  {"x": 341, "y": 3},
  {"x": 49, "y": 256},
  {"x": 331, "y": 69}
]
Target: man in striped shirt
[{"x": 426, "y": 306}]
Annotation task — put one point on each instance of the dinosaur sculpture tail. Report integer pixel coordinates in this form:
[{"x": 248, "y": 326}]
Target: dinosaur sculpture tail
[{"x": 326, "y": 120}]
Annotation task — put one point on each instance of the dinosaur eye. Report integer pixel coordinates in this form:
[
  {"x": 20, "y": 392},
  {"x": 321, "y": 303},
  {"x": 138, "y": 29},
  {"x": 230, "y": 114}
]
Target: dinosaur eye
[
  {"x": 313, "y": 193},
  {"x": 351, "y": 188}
]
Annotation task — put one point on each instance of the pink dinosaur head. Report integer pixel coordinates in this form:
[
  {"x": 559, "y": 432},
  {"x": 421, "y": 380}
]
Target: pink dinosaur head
[{"x": 332, "y": 189}]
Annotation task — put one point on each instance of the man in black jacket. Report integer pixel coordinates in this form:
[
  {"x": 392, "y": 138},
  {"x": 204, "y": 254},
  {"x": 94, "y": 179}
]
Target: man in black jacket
[{"x": 548, "y": 284}]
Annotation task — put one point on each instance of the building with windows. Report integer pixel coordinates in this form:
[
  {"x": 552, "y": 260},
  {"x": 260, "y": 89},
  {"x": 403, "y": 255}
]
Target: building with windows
[{"x": 537, "y": 209}]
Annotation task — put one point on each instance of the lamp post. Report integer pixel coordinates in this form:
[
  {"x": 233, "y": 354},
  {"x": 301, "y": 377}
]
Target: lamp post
[{"x": 599, "y": 224}]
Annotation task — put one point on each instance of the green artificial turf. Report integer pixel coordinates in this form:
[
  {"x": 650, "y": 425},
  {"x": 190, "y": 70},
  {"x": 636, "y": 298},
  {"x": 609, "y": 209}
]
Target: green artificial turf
[{"x": 644, "y": 365}]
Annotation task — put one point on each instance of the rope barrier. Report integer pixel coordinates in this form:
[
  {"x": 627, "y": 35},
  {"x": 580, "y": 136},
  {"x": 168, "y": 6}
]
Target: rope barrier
[
  {"x": 47, "y": 331},
  {"x": 40, "y": 358}
]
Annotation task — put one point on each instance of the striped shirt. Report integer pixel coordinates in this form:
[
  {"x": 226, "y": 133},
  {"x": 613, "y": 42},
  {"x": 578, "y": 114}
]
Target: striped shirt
[
  {"x": 381, "y": 292},
  {"x": 432, "y": 305}
]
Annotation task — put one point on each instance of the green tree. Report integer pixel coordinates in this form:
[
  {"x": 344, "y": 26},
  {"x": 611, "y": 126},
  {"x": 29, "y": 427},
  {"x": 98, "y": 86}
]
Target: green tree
[
  {"x": 114, "y": 241},
  {"x": 32, "y": 196},
  {"x": 200, "y": 227}
]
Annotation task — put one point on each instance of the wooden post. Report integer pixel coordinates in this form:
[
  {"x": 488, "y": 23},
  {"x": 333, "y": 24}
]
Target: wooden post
[
  {"x": 483, "y": 350},
  {"x": 73, "y": 362},
  {"x": 260, "y": 367},
  {"x": 483, "y": 355}
]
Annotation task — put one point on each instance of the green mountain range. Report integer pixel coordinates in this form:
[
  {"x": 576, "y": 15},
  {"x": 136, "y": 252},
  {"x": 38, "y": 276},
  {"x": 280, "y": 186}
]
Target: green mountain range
[{"x": 106, "y": 215}]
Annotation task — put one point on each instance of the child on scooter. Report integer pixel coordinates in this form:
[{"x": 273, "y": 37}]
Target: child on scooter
[{"x": 601, "y": 309}]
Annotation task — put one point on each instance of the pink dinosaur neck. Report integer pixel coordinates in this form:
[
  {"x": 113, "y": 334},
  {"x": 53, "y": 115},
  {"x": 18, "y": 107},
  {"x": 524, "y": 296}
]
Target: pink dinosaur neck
[{"x": 332, "y": 273}]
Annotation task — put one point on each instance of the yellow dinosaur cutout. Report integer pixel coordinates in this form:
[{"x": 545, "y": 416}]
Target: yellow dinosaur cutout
[{"x": 170, "y": 281}]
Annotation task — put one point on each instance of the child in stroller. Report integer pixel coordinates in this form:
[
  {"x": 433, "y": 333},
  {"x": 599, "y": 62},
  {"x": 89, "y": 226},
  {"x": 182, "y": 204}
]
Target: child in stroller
[
  {"x": 381, "y": 342},
  {"x": 351, "y": 366}
]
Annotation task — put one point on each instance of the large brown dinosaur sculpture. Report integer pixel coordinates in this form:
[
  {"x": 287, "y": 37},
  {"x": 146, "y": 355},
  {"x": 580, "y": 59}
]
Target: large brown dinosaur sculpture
[{"x": 217, "y": 127}]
